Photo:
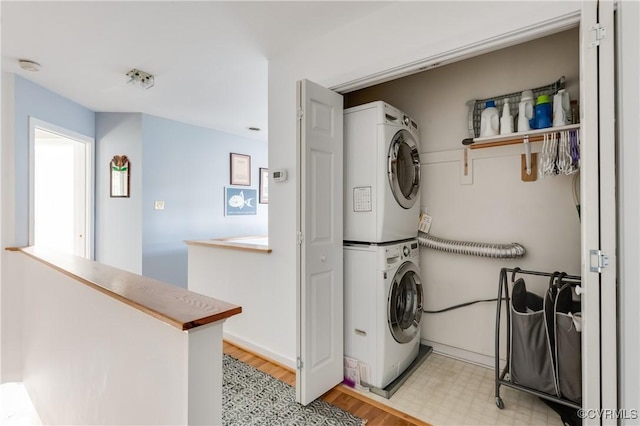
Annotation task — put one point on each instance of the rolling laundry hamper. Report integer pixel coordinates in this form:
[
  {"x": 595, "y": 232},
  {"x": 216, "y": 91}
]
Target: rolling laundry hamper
[{"x": 543, "y": 345}]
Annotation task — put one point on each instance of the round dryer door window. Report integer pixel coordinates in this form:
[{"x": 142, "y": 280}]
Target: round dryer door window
[
  {"x": 405, "y": 303},
  {"x": 404, "y": 168}
]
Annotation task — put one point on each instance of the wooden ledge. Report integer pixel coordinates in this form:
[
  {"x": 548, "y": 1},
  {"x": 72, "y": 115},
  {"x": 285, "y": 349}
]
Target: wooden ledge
[
  {"x": 236, "y": 243},
  {"x": 173, "y": 305}
]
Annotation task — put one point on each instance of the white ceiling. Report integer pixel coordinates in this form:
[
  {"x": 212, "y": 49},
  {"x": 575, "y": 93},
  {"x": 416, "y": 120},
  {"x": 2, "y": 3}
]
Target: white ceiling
[{"x": 209, "y": 58}]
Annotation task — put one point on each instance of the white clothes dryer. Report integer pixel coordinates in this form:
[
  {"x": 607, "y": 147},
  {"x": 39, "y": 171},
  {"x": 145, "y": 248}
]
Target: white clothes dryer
[
  {"x": 383, "y": 302},
  {"x": 382, "y": 174}
]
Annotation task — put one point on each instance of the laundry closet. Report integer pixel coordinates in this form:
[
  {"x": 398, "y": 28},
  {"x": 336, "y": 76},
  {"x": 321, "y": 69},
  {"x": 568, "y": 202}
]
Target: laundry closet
[{"x": 486, "y": 200}]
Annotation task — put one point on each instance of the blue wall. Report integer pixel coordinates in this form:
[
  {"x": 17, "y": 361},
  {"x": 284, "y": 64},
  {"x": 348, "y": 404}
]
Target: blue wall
[
  {"x": 32, "y": 100},
  {"x": 187, "y": 167},
  {"x": 119, "y": 220}
]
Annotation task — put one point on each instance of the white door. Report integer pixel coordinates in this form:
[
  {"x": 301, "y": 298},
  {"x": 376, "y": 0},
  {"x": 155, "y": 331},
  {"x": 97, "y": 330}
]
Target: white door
[
  {"x": 599, "y": 346},
  {"x": 320, "y": 293},
  {"x": 61, "y": 189}
]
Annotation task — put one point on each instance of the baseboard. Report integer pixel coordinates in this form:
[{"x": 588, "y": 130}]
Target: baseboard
[
  {"x": 471, "y": 357},
  {"x": 260, "y": 351}
]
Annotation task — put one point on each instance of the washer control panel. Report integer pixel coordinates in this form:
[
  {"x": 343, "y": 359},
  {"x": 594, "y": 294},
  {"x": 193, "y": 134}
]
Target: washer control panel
[{"x": 399, "y": 252}]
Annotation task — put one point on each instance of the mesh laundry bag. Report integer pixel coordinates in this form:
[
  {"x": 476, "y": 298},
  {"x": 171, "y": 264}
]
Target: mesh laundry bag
[
  {"x": 531, "y": 358},
  {"x": 568, "y": 345}
]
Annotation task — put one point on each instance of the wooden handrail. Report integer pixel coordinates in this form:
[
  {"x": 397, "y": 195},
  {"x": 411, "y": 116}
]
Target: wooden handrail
[
  {"x": 234, "y": 243},
  {"x": 173, "y": 305}
]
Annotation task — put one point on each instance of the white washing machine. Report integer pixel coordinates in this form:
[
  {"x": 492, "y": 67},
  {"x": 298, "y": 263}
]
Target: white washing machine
[
  {"x": 382, "y": 308},
  {"x": 382, "y": 174}
]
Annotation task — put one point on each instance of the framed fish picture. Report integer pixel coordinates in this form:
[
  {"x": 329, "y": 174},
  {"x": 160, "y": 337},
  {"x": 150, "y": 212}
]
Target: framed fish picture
[{"x": 240, "y": 201}]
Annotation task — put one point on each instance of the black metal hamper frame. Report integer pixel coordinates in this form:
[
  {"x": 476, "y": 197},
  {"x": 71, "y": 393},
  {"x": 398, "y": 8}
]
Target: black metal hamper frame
[{"x": 503, "y": 294}]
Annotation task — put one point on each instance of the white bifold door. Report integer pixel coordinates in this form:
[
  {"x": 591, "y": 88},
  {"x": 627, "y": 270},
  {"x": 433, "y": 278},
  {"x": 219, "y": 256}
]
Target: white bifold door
[
  {"x": 598, "y": 212},
  {"x": 320, "y": 291}
]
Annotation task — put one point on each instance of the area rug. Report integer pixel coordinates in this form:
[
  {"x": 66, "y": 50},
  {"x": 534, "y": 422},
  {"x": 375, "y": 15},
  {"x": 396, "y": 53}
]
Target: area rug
[{"x": 251, "y": 397}]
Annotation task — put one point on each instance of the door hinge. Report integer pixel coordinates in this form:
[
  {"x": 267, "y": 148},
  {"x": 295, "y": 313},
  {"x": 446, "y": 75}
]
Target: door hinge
[
  {"x": 299, "y": 363},
  {"x": 600, "y": 34},
  {"x": 300, "y": 113},
  {"x": 601, "y": 258},
  {"x": 300, "y": 237}
]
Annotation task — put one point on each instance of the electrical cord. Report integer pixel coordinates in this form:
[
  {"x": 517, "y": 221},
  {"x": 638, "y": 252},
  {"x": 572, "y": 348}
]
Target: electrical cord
[{"x": 462, "y": 305}]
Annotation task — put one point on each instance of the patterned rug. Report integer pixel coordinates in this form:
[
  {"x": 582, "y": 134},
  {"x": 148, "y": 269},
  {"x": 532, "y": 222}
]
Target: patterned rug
[{"x": 251, "y": 397}]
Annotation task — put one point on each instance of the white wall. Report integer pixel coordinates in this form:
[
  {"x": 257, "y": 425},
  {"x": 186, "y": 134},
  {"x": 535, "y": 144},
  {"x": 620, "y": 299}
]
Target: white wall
[
  {"x": 10, "y": 295},
  {"x": 91, "y": 359},
  {"x": 629, "y": 208},
  {"x": 119, "y": 220},
  {"x": 396, "y": 35},
  {"x": 250, "y": 280},
  {"x": 498, "y": 207}
]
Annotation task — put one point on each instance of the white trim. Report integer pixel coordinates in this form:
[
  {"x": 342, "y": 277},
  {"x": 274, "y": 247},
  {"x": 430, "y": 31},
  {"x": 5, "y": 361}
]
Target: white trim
[
  {"x": 608, "y": 211},
  {"x": 260, "y": 350},
  {"x": 90, "y": 177},
  {"x": 470, "y": 357},
  {"x": 589, "y": 213},
  {"x": 521, "y": 35}
]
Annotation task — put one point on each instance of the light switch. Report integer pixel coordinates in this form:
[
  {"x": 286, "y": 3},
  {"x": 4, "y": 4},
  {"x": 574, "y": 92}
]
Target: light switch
[{"x": 159, "y": 205}]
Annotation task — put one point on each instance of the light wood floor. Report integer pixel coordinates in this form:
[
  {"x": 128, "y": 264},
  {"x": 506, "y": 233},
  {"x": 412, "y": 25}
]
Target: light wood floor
[{"x": 341, "y": 396}]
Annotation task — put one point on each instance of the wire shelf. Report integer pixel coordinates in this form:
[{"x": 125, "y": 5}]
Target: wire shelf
[{"x": 477, "y": 106}]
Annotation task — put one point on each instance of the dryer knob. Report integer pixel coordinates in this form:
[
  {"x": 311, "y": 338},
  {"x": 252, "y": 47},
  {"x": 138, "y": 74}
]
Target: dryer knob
[{"x": 406, "y": 120}]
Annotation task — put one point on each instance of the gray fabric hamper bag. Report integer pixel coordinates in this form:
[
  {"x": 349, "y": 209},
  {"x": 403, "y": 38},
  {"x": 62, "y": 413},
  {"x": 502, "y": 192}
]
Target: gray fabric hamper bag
[
  {"x": 568, "y": 348},
  {"x": 531, "y": 358}
]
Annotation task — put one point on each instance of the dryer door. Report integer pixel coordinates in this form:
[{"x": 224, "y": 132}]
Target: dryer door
[
  {"x": 404, "y": 168},
  {"x": 404, "y": 304}
]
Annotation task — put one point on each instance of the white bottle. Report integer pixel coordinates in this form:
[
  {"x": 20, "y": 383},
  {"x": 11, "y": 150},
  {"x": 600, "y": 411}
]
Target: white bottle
[
  {"x": 489, "y": 120},
  {"x": 506, "y": 121},
  {"x": 525, "y": 111},
  {"x": 561, "y": 108}
]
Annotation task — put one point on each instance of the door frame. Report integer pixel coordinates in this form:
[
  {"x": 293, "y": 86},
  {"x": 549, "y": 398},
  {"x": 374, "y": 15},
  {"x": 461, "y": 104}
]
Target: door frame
[{"x": 89, "y": 143}]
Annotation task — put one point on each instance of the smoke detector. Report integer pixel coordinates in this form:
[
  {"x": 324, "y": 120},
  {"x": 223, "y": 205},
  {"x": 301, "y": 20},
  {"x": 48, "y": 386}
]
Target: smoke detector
[
  {"x": 28, "y": 65},
  {"x": 141, "y": 79}
]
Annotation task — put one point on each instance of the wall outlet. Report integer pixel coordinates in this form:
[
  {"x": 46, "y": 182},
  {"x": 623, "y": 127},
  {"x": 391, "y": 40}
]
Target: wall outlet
[
  {"x": 424, "y": 223},
  {"x": 159, "y": 205}
]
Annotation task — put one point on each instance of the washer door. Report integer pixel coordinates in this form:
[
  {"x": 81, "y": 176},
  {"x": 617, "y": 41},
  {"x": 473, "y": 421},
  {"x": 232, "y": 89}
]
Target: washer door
[
  {"x": 404, "y": 304},
  {"x": 404, "y": 168}
]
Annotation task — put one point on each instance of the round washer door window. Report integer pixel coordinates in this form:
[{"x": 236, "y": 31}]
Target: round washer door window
[
  {"x": 404, "y": 305},
  {"x": 404, "y": 168}
]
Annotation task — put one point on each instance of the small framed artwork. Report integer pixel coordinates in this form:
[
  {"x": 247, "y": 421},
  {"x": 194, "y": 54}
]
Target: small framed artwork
[
  {"x": 240, "y": 168},
  {"x": 119, "y": 176},
  {"x": 239, "y": 201},
  {"x": 264, "y": 186}
]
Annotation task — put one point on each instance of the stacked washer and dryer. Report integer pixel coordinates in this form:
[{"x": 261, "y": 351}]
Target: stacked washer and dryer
[{"x": 383, "y": 291}]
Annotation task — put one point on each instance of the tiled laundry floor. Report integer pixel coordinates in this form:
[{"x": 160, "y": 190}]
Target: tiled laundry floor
[{"x": 446, "y": 391}]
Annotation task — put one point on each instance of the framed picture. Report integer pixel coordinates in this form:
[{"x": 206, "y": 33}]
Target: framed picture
[
  {"x": 119, "y": 176},
  {"x": 240, "y": 169},
  {"x": 239, "y": 201},
  {"x": 264, "y": 186}
]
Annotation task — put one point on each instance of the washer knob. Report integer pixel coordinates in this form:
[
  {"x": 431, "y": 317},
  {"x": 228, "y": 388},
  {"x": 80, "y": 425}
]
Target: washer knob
[
  {"x": 406, "y": 120},
  {"x": 406, "y": 251}
]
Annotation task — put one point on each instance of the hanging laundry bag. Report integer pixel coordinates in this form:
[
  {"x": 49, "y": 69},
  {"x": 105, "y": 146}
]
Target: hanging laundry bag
[
  {"x": 568, "y": 327},
  {"x": 531, "y": 359}
]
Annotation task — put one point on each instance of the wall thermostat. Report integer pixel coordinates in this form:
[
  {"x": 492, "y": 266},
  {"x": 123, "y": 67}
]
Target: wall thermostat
[{"x": 279, "y": 175}]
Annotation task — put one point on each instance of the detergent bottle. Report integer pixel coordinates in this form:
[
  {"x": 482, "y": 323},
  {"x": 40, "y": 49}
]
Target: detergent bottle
[{"x": 489, "y": 120}]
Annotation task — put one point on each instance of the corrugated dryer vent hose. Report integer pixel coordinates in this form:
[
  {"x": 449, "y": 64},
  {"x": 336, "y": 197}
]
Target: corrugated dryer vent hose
[{"x": 497, "y": 251}]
